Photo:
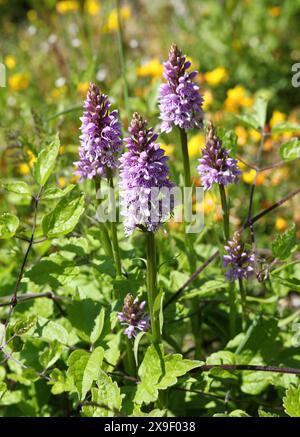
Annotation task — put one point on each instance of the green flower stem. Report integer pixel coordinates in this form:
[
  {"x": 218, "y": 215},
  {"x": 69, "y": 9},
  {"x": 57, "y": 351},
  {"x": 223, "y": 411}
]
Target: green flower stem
[
  {"x": 105, "y": 240},
  {"x": 185, "y": 158},
  {"x": 152, "y": 286},
  {"x": 243, "y": 302},
  {"x": 225, "y": 211},
  {"x": 195, "y": 321},
  {"x": 114, "y": 234},
  {"x": 122, "y": 61},
  {"x": 233, "y": 311},
  {"x": 129, "y": 360}
]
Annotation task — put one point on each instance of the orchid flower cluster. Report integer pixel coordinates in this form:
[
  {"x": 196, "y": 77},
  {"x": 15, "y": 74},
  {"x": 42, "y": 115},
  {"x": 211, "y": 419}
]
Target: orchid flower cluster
[{"x": 144, "y": 166}]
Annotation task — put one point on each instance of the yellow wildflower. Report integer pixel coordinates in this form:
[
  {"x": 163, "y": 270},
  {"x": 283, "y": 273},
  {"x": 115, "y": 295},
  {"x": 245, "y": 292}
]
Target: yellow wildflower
[
  {"x": 241, "y": 165},
  {"x": 82, "y": 89},
  {"x": 32, "y": 157},
  {"x": 274, "y": 11},
  {"x": 216, "y": 76},
  {"x": 57, "y": 92},
  {"x": 208, "y": 100},
  {"x": 195, "y": 143},
  {"x": 277, "y": 117},
  {"x": 10, "y": 61},
  {"x": 18, "y": 81},
  {"x": 248, "y": 176},
  {"x": 62, "y": 182},
  {"x": 260, "y": 179},
  {"x": 281, "y": 224},
  {"x": 168, "y": 148},
  {"x": 74, "y": 179},
  {"x": 236, "y": 98},
  {"x": 111, "y": 24},
  {"x": 92, "y": 7},
  {"x": 24, "y": 169},
  {"x": 32, "y": 15},
  {"x": 66, "y": 6},
  {"x": 242, "y": 135},
  {"x": 152, "y": 68},
  {"x": 256, "y": 136}
]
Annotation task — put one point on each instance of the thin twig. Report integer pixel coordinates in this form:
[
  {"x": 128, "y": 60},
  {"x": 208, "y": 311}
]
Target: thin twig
[
  {"x": 30, "y": 296},
  {"x": 252, "y": 190},
  {"x": 246, "y": 163},
  {"x": 250, "y": 367},
  {"x": 14, "y": 298}
]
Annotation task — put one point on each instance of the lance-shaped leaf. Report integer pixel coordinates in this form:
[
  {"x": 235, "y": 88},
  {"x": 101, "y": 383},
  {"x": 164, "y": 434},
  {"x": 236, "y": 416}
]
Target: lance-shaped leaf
[
  {"x": 284, "y": 243},
  {"x": 291, "y": 401},
  {"x": 45, "y": 162},
  {"x": 56, "y": 193},
  {"x": 84, "y": 368},
  {"x": 65, "y": 215},
  {"x": 290, "y": 150},
  {"x": 158, "y": 372},
  {"x": 285, "y": 126},
  {"x": 17, "y": 187},
  {"x": 9, "y": 223}
]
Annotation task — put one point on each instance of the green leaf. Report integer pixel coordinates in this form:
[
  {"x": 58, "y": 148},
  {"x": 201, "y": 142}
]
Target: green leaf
[
  {"x": 210, "y": 288},
  {"x": 256, "y": 121},
  {"x": 65, "y": 215},
  {"x": 22, "y": 326},
  {"x": 249, "y": 120},
  {"x": 263, "y": 413},
  {"x": 60, "y": 383},
  {"x": 98, "y": 327},
  {"x": 50, "y": 355},
  {"x": 84, "y": 368},
  {"x": 108, "y": 394},
  {"x": 52, "y": 331},
  {"x": 158, "y": 372},
  {"x": 260, "y": 108},
  {"x": 285, "y": 127},
  {"x": 290, "y": 150},
  {"x": 284, "y": 243},
  {"x": 9, "y": 224},
  {"x": 56, "y": 193},
  {"x": 221, "y": 357},
  {"x": 11, "y": 398},
  {"x": 291, "y": 401},
  {"x": 229, "y": 140},
  {"x": 136, "y": 346},
  {"x": 17, "y": 187},
  {"x": 290, "y": 282},
  {"x": 238, "y": 413},
  {"x": 46, "y": 161}
]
